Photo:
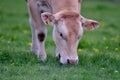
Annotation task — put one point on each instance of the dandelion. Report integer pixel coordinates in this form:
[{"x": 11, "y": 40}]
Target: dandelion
[
  {"x": 29, "y": 44},
  {"x": 79, "y": 50},
  {"x": 102, "y": 23},
  {"x": 116, "y": 49},
  {"x": 104, "y": 38},
  {"x": 25, "y": 31},
  {"x": 106, "y": 47},
  {"x": 95, "y": 50},
  {"x": 116, "y": 38}
]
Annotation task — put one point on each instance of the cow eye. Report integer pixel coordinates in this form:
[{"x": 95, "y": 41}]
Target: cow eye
[{"x": 61, "y": 35}]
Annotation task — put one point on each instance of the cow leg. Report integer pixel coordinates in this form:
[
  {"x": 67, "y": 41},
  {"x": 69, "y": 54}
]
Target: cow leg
[
  {"x": 41, "y": 34},
  {"x": 39, "y": 31},
  {"x": 34, "y": 47},
  {"x": 38, "y": 40}
]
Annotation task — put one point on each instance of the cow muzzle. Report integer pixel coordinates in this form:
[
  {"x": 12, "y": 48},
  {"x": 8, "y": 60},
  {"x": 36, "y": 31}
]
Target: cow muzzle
[{"x": 68, "y": 60}]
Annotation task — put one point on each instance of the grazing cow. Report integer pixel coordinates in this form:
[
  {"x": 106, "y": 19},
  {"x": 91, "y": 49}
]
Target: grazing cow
[{"x": 68, "y": 24}]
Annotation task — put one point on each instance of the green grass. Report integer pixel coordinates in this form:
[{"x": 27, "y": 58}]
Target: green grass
[{"x": 99, "y": 50}]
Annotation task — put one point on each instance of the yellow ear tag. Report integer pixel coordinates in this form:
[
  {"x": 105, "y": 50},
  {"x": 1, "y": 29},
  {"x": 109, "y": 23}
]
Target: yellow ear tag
[
  {"x": 48, "y": 22},
  {"x": 88, "y": 28}
]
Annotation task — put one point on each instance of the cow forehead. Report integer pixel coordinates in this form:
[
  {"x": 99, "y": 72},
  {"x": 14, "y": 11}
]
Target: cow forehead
[
  {"x": 69, "y": 26},
  {"x": 70, "y": 21},
  {"x": 69, "y": 14},
  {"x": 72, "y": 25},
  {"x": 66, "y": 14}
]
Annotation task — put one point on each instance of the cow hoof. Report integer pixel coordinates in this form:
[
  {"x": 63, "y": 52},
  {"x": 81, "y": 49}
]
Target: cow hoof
[
  {"x": 34, "y": 50},
  {"x": 42, "y": 57}
]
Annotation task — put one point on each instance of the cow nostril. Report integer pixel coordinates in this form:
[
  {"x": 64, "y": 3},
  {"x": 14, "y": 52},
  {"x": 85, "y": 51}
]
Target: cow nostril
[
  {"x": 68, "y": 61},
  {"x": 59, "y": 56}
]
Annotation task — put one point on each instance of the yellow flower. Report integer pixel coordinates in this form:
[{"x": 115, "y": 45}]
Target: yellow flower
[
  {"x": 104, "y": 38},
  {"x": 116, "y": 38},
  {"x": 95, "y": 50},
  {"x": 116, "y": 49},
  {"x": 29, "y": 44},
  {"x": 106, "y": 47},
  {"x": 79, "y": 50},
  {"x": 102, "y": 23},
  {"x": 25, "y": 31}
]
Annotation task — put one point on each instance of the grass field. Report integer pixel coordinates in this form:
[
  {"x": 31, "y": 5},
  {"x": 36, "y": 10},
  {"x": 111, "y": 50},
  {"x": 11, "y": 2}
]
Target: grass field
[{"x": 99, "y": 50}]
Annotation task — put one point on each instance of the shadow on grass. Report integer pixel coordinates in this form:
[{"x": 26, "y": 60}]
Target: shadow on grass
[{"x": 23, "y": 58}]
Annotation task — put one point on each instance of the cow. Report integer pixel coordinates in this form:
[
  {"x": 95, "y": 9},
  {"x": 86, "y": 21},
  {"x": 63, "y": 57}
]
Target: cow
[{"x": 68, "y": 26}]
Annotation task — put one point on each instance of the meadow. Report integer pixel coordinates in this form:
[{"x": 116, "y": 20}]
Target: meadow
[{"x": 98, "y": 50}]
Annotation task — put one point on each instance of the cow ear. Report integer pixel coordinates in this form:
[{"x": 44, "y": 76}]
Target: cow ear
[
  {"x": 89, "y": 24},
  {"x": 47, "y": 18}
]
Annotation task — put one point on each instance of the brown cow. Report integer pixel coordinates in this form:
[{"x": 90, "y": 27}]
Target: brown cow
[{"x": 68, "y": 24}]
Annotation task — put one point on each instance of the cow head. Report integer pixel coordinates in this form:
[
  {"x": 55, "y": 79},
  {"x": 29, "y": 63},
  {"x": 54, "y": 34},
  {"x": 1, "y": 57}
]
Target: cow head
[{"x": 68, "y": 29}]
